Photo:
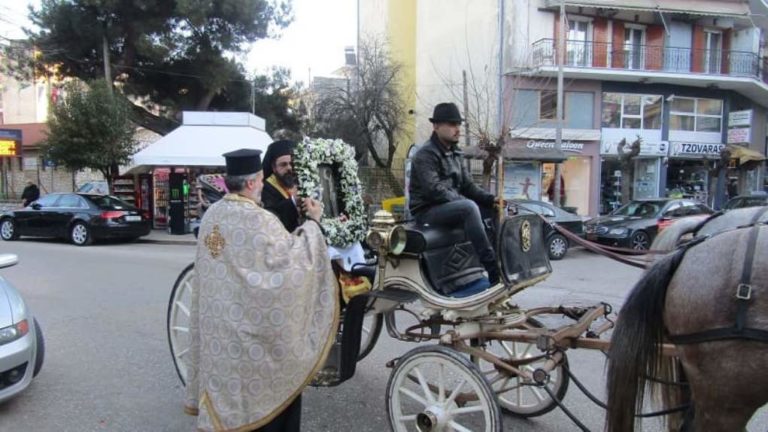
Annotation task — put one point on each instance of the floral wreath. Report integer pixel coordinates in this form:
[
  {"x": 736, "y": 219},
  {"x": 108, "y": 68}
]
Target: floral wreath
[{"x": 351, "y": 225}]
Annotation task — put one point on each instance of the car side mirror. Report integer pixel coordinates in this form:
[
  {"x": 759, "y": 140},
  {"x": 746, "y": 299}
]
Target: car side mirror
[{"x": 36, "y": 206}]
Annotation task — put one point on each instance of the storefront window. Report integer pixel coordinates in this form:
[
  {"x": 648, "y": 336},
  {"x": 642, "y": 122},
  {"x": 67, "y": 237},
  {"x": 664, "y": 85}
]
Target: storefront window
[
  {"x": 631, "y": 111},
  {"x": 687, "y": 179},
  {"x": 699, "y": 115}
]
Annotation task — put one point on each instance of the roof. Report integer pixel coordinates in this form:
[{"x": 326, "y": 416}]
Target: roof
[
  {"x": 730, "y": 8},
  {"x": 202, "y": 139},
  {"x": 32, "y": 134}
]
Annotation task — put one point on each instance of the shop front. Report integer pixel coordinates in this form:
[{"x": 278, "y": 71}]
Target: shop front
[
  {"x": 646, "y": 181},
  {"x": 689, "y": 170},
  {"x": 530, "y": 172}
]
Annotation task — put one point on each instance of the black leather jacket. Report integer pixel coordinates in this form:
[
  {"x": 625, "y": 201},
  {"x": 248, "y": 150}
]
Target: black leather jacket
[{"x": 439, "y": 176}]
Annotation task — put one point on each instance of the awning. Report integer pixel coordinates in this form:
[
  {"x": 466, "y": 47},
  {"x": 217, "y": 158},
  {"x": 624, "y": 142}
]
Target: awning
[
  {"x": 745, "y": 155},
  {"x": 201, "y": 140},
  {"x": 697, "y": 7}
]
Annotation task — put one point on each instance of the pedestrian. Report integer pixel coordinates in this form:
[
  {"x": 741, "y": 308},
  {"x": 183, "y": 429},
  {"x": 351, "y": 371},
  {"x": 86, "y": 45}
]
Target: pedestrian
[
  {"x": 30, "y": 194},
  {"x": 441, "y": 189},
  {"x": 264, "y": 314},
  {"x": 280, "y": 193}
]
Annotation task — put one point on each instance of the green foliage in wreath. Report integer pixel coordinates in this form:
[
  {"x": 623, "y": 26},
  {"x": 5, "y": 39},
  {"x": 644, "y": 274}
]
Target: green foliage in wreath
[{"x": 308, "y": 155}]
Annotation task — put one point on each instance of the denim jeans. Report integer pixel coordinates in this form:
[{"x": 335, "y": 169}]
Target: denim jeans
[{"x": 462, "y": 213}]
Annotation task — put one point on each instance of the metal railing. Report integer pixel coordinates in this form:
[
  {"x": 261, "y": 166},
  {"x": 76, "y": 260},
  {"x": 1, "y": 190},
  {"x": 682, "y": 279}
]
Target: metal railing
[{"x": 649, "y": 58}]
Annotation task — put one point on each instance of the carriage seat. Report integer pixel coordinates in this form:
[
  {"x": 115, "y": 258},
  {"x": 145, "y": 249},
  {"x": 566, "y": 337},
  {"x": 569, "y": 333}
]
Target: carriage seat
[
  {"x": 422, "y": 237},
  {"x": 448, "y": 259}
]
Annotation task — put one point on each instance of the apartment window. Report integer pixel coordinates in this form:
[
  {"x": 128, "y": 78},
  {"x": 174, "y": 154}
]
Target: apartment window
[
  {"x": 548, "y": 105},
  {"x": 578, "y": 46},
  {"x": 696, "y": 115},
  {"x": 631, "y": 111},
  {"x": 634, "y": 44}
]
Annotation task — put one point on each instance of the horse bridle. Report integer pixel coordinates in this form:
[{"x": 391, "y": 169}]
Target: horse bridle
[{"x": 743, "y": 295}]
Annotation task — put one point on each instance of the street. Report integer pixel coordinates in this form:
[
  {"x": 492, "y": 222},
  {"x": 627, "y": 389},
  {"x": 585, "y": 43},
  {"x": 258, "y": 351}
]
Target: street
[{"x": 102, "y": 310}]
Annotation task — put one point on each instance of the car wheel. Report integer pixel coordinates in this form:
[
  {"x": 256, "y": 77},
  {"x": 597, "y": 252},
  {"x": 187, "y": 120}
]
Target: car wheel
[
  {"x": 80, "y": 235},
  {"x": 40, "y": 350},
  {"x": 8, "y": 230},
  {"x": 557, "y": 246},
  {"x": 640, "y": 241}
]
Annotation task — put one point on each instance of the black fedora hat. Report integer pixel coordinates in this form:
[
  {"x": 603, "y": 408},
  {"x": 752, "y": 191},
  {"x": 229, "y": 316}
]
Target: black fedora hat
[{"x": 446, "y": 112}]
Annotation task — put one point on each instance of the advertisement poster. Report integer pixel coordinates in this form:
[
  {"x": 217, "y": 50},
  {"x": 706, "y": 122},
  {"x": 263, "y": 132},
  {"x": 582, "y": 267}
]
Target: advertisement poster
[{"x": 522, "y": 180}]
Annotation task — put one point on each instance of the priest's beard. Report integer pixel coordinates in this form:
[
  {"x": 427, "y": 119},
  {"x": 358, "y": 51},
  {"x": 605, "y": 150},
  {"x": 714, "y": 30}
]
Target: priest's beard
[{"x": 287, "y": 180}]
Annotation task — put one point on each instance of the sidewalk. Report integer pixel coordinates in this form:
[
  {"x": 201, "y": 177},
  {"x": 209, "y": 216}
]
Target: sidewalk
[{"x": 161, "y": 236}]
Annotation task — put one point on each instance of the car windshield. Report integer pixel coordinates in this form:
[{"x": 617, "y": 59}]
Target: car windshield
[
  {"x": 106, "y": 202},
  {"x": 639, "y": 209}
]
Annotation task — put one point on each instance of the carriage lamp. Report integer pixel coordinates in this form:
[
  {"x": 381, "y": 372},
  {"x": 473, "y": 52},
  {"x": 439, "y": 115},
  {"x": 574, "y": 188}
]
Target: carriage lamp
[{"x": 385, "y": 235}]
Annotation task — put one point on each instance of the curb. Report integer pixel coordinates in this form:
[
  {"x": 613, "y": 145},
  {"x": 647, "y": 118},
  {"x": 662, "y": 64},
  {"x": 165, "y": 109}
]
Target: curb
[{"x": 169, "y": 242}]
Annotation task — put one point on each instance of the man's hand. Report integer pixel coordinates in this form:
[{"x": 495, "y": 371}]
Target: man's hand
[{"x": 312, "y": 208}]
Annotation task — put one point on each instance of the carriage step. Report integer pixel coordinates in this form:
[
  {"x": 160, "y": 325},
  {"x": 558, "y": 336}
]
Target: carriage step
[{"x": 395, "y": 294}]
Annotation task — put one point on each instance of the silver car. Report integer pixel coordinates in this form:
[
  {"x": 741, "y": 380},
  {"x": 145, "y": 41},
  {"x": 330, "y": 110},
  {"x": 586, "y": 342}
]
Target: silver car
[{"x": 21, "y": 341}]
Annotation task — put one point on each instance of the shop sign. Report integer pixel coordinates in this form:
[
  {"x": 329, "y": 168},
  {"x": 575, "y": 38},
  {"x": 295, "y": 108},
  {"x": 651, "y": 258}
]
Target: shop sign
[
  {"x": 659, "y": 148},
  {"x": 10, "y": 142},
  {"x": 739, "y": 135},
  {"x": 740, "y": 118},
  {"x": 566, "y": 146},
  {"x": 696, "y": 149}
]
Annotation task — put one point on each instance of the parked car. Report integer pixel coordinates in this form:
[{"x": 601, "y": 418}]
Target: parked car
[
  {"x": 77, "y": 217},
  {"x": 22, "y": 348},
  {"x": 744, "y": 201},
  {"x": 557, "y": 244},
  {"x": 635, "y": 224}
]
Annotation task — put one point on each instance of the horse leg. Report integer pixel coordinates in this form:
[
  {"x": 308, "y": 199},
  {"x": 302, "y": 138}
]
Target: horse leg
[{"x": 727, "y": 383}]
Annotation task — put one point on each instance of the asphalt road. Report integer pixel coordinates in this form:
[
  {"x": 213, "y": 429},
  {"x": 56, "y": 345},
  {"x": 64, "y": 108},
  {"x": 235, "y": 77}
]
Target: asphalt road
[{"x": 102, "y": 309}]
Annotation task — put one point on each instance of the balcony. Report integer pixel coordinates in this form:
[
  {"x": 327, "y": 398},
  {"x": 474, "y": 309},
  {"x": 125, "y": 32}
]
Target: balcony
[
  {"x": 649, "y": 58},
  {"x": 741, "y": 71}
]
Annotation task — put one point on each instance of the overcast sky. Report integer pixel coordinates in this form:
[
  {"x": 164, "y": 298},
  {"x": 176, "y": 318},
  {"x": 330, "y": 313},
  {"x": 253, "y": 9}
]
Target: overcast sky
[{"x": 313, "y": 44}]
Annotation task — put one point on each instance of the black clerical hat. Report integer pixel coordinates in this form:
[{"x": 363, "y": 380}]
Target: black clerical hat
[
  {"x": 446, "y": 112},
  {"x": 243, "y": 162},
  {"x": 274, "y": 151}
]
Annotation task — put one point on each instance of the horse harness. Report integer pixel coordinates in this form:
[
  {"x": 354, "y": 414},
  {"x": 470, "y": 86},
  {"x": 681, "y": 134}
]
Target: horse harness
[{"x": 743, "y": 294}]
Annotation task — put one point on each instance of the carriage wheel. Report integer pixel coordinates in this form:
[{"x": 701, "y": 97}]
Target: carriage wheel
[
  {"x": 372, "y": 325},
  {"x": 435, "y": 388},
  {"x": 517, "y": 395},
  {"x": 178, "y": 320}
]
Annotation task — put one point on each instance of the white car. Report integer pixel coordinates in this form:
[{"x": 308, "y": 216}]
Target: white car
[{"x": 21, "y": 341}]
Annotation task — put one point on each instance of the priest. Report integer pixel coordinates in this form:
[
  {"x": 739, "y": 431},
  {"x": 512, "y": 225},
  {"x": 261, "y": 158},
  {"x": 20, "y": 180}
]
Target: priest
[
  {"x": 264, "y": 314},
  {"x": 280, "y": 189}
]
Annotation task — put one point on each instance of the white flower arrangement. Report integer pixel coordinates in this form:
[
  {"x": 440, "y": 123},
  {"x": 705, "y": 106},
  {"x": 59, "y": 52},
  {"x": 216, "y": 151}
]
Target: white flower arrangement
[{"x": 351, "y": 226}]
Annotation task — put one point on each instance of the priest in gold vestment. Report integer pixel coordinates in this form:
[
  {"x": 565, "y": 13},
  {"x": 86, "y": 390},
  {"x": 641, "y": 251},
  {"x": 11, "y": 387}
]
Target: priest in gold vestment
[{"x": 264, "y": 313}]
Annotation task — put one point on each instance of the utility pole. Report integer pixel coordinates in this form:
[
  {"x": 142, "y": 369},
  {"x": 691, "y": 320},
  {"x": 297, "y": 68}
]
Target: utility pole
[
  {"x": 466, "y": 107},
  {"x": 253, "y": 95},
  {"x": 559, "y": 130},
  {"x": 105, "y": 54}
]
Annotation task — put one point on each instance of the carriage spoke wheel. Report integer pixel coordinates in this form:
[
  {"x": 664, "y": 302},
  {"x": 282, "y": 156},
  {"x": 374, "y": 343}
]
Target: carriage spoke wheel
[
  {"x": 178, "y": 320},
  {"x": 518, "y": 395},
  {"x": 436, "y": 389}
]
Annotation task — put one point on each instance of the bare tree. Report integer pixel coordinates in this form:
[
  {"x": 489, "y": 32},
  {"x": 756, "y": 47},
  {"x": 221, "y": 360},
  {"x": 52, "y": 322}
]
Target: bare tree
[
  {"x": 627, "y": 163},
  {"x": 368, "y": 111}
]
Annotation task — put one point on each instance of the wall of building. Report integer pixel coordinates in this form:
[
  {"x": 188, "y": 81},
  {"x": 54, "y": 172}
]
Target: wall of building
[{"x": 23, "y": 103}]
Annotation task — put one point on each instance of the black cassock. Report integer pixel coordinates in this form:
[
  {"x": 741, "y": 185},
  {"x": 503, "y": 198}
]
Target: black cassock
[{"x": 276, "y": 200}]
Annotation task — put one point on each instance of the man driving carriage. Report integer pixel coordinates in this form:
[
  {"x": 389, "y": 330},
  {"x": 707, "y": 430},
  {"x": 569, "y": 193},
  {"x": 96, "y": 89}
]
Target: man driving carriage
[{"x": 441, "y": 190}]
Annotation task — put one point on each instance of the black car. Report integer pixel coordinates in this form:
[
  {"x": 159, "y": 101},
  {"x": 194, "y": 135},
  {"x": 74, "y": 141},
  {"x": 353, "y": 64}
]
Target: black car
[
  {"x": 744, "y": 201},
  {"x": 635, "y": 224},
  {"x": 557, "y": 244},
  {"x": 77, "y": 217}
]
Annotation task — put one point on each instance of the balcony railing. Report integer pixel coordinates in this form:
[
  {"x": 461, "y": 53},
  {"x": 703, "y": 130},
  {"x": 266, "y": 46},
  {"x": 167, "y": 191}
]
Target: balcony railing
[{"x": 650, "y": 58}]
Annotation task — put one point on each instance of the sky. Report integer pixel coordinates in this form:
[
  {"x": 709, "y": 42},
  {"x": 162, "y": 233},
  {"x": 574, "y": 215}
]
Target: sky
[{"x": 313, "y": 45}]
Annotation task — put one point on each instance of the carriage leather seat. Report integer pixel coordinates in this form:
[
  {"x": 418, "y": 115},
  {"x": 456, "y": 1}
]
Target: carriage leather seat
[{"x": 447, "y": 258}]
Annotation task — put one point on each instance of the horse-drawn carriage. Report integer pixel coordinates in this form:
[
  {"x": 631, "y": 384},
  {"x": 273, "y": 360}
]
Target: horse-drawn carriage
[{"x": 479, "y": 353}]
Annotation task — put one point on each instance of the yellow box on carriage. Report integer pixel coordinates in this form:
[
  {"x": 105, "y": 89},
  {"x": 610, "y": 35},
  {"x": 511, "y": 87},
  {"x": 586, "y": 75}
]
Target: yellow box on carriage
[
  {"x": 395, "y": 205},
  {"x": 353, "y": 285}
]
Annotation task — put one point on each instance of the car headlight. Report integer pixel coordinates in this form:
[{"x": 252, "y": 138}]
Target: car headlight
[
  {"x": 11, "y": 333},
  {"x": 618, "y": 231}
]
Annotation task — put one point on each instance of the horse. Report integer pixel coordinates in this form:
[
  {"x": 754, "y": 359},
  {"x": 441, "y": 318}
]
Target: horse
[{"x": 685, "y": 296}]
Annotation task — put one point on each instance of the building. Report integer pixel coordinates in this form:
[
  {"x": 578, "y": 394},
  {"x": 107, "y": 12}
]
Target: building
[{"x": 685, "y": 76}]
